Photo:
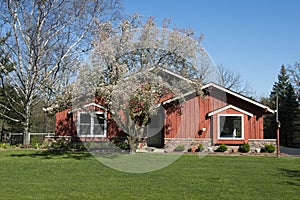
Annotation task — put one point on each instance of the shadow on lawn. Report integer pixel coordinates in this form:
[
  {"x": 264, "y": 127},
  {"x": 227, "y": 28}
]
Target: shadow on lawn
[
  {"x": 294, "y": 176},
  {"x": 49, "y": 154}
]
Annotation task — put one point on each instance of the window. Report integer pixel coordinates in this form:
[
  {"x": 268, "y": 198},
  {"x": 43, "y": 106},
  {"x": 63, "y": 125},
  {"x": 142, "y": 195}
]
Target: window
[
  {"x": 230, "y": 126},
  {"x": 92, "y": 124}
]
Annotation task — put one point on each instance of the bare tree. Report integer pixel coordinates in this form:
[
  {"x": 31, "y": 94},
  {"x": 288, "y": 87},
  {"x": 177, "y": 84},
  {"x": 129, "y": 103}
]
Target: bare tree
[
  {"x": 294, "y": 72},
  {"x": 134, "y": 66},
  {"x": 233, "y": 81},
  {"x": 46, "y": 41}
]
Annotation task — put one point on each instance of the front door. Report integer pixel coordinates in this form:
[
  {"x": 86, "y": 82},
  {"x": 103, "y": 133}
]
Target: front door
[
  {"x": 155, "y": 129},
  {"x": 156, "y": 140}
]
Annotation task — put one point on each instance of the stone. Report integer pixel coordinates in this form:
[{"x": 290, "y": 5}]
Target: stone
[
  {"x": 159, "y": 151},
  {"x": 141, "y": 151},
  {"x": 235, "y": 150}
]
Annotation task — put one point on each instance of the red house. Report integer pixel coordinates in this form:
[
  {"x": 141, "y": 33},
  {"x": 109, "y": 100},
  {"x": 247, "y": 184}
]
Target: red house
[{"x": 220, "y": 116}]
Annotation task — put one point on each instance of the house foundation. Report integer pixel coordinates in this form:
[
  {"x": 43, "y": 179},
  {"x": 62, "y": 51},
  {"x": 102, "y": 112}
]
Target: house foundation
[
  {"x": 172, "y": 143},
  {"x": 257, "y": 144}
]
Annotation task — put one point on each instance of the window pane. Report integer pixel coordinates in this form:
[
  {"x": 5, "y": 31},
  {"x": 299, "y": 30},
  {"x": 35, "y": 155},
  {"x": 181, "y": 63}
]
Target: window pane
[
  {"x": 85, "y": 124},
  {"x": 85, "y": 129},
  {"x": 99, "y": 121},
  {"x": 85, "y": 118},
  {"x": 230, "y": 126},
  {"x": 91, "y": 124},
  {"x": 98, "y": 129}
]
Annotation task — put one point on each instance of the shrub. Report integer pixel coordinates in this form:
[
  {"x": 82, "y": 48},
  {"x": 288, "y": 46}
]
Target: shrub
[
  {"x": 5, "y": 145},
  {"x": 244, "y": 148},
  {"x": 77, "y": 146},
  {"x": 222, "y": 148},
  {"x": 34, "y": 142},
  {"x": 269, "y": 148},
  {"x": 121, "y": 143},
  {"x": 179, "y": 148},
  {"x": 200, "y": 148},
  {"x": 60, "y": 144}
]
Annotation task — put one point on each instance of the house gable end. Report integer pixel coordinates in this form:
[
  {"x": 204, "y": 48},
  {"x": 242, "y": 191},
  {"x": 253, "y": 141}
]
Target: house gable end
[
  {"x": 239, "y": 96},
  {"x": 87, "y": 106},
  {"x": 228, "y": 107}
]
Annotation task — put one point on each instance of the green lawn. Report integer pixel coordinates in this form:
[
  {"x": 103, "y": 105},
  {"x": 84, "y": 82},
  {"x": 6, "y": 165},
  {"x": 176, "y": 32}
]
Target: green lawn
[{"x": 36, "y": 175}]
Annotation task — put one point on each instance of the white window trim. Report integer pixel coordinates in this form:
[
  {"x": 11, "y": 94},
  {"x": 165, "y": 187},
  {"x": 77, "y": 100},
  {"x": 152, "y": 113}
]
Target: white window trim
[
  {"x": 232, "y": 138},
  {"x": 92, "y": 127},
  {"x": 86, "y": 106},
  {"x": 232, "y": 107}
]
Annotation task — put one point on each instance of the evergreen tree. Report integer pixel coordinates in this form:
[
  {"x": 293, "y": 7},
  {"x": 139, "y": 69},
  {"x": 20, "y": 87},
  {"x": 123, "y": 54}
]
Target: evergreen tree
[
  {"x": 294, "y": 72},
  {"x": 288, "y": 108},
  {"x": 269, "y": 120}
]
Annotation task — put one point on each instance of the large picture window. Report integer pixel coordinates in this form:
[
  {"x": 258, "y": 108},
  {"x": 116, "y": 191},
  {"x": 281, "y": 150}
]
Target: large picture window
[
  {"x": 230, "y": 126},
  {"x": 92, "y": 124}
]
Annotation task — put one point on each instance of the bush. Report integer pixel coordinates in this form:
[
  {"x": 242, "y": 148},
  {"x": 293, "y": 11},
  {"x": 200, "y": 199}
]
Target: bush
[
  {"x": 34, "y": 142},
  {"x": 77, "y": 146},
  {"x": 222, "y": 148},
  {"x": 269, "y": 148},
  {"x": 60, "y": 144},
  {"x": 5, "y": 145},
  {"x": 121, "y": 143},
  {"x": 179, "y": 148},
  {"x": 200, "y": 148},
  {"x": 244, "y": 148}
]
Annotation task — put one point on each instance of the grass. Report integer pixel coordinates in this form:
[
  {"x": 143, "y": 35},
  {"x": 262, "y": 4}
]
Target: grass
[{"x": 64, "y": 175}]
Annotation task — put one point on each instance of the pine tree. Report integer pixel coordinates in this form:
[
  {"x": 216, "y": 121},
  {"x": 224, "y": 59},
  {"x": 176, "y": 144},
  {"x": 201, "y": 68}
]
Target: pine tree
[
  {"x": 294, "y": 72},
  {"x": 269, "y": 120},
  {"x": 288, "y": 107}
]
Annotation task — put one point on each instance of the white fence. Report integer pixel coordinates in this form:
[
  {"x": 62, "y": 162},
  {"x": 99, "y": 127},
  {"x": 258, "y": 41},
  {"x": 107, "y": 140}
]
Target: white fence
[{"x": 14, "y": 138}]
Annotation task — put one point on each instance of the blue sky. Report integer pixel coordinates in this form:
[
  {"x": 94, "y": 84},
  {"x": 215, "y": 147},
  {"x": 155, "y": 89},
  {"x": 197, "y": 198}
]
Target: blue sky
[{"x": 252, "y": 37}]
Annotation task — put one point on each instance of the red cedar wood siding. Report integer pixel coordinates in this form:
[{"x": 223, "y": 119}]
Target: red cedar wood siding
[
  {"x": 190, "y": 122},
  {"x": 253, "y": 126},
  {"x": 194, "y": 117},
  {"x": 183, "y": 123},
  {"x": 66, "y": 126}
]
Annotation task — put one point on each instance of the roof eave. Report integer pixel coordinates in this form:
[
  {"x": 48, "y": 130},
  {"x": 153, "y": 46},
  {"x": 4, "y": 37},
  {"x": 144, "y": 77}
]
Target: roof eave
[{"x": 239, "y": 96}]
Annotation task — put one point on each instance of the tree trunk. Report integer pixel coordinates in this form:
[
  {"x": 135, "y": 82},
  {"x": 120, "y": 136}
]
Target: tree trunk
[
  {"x": 1, "y": 132},
  {"x": 132, "y": 143},
  {"x": 26, "y": 135}
]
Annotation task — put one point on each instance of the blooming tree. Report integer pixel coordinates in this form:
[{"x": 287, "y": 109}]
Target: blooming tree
[{"x": 136, "y": 66}]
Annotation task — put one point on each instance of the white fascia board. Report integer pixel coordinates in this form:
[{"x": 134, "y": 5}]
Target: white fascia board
[
  {"x": 237, "y": 95},
  {"x": 88, "y": 105},
  {"x": 96, "y": 105},
  {"x": 178, "y": 76},
  {"x": 228, "y": 107},
  {"x": 178, "y": 97}
]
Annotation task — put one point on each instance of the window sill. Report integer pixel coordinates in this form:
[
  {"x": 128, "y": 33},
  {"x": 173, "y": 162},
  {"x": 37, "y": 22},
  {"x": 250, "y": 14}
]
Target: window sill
[
  {"x": 230, "y": 138},
  {"x": 97, "y": 136}
]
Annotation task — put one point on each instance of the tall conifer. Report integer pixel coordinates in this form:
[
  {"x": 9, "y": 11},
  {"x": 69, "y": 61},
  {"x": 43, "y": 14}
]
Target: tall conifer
[{"x": 288, "y": 107}]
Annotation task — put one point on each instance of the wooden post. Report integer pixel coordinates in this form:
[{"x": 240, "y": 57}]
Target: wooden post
[
  {"x": 278, "y": 136},
  {"x": 277, "y": 129}
]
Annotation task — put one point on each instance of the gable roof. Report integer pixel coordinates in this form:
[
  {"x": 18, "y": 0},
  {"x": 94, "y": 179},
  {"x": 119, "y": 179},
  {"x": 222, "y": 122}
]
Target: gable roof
[
  {"x": 88, "y": 105},
  {"x": 237, "y": 95},
  {"x": 176, "y": 75},
  {"x": 228, "y": 107},
  {"x": 162, "y": 70}
]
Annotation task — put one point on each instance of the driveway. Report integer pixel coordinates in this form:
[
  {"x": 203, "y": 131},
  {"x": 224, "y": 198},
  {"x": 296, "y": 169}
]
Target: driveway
[{"x": 290, "y": 151}]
